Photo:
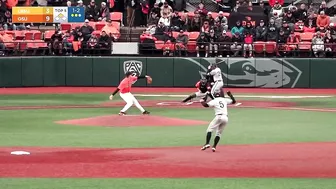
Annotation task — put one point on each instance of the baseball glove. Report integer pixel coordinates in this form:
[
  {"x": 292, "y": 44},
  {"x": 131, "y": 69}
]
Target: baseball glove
[{"x": 149, "y": 80}]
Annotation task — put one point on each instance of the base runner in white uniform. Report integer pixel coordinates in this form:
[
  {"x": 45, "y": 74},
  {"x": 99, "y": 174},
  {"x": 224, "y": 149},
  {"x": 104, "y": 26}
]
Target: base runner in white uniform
[
  {"x": 216, "y": 73},
  {"x": 219, "y": 103}
]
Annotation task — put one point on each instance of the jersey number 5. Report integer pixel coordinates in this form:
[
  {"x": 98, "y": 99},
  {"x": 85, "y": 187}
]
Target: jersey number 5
[{"x": 221, "y": 105}]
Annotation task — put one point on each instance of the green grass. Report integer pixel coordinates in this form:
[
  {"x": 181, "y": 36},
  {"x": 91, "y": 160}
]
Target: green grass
[
  {"x": 246, "y": 126},
  {"x": 169, "y": 183}
]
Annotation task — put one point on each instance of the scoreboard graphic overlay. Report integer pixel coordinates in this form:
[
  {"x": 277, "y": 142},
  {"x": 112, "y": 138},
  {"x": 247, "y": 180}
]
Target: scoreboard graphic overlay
[{"x": 48, "y": 14}]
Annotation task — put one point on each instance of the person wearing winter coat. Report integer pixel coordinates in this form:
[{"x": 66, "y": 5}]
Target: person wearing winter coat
[
  {"x": 181, "y": 43},
  {"x": 222, "y": 19},
  {"x": 272, "y": 31},
  {"x": 238, "y": 28},
  {"x": 261, "y": 31},
  {"x": 318, "y": 45}
]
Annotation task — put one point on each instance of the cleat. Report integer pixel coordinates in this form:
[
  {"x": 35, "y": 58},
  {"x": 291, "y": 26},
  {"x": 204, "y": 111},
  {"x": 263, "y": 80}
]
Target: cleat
[
  {"x": 145, "y": 112},
  {"x": 205, "y": 147},
  {"x": 122, "y": 113},
  {"x": 213, "y": 149}
]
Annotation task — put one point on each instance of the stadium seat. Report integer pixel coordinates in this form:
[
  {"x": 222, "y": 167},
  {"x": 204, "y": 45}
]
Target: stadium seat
[
  {"x": 226, "y": 14},
  {"x": 74, "y": 25},
  {"x": 48, "y": 34},
  {"x": 92, "y": 24},
  {"x": 19, "y": 35},
  {"x": 193, "y": 36},
  {"x": 159, "y": 45},
  {"x": 116, "y": 25},
  {"x": 175, "y": 34},
  {"x": 191, "y": 46},
  {"x": 100, "y": 25},
  {"x": 270, "y": 47},
  {"x": 306, "y": 36},
  {"x": 10, "y": 32},
  {"x": 96, "y": 33},
  {"x": 22, "y": 45},
  {"x": 305, "y": 46},
  {"x": 65, "y": 26},
  {"x": 30, "y": 44},
  {"x": 37, "y": 35},
  {"x": 41, "y": 44},
  {"x": 214, "y": 15},
  {"x": 229, "y": 34},
  {"x": 259, "y": 47},
  {"x": 191, "y": 15},
  {"x": 116, "y": 16},
  {"x": 29, "y": 35}
]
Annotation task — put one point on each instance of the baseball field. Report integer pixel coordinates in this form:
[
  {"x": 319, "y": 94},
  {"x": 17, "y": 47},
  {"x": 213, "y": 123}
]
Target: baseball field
[{"x": 73, "y": 138}]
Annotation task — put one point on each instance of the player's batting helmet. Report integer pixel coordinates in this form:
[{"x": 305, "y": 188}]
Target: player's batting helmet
[{"x": 128, "y": 73}]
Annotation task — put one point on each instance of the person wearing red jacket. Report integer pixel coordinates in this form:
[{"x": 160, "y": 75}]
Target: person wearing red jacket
[{"x": 248, "y": 41}]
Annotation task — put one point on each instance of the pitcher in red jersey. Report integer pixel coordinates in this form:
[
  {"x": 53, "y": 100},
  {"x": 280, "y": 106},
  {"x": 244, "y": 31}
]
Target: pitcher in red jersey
[{"x": 125, "y": 92}]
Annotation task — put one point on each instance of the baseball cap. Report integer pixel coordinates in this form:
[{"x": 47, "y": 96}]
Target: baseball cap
[
  {"x": 87, "y": 21},
  {"x": 220, "y": 12},
  {"x": 209, "y": 13}
]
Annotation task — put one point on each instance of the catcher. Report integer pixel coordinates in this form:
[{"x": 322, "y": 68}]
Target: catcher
[
  {"x": 203, "y": 87},
  {"x": 125, "y": 92}
]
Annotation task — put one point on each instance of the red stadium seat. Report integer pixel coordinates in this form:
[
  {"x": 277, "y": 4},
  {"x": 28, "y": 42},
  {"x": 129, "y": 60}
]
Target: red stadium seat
[
  {"x": 226, "y": 14},
  {"x": 92, "y": 24},
  {"x": 214, "y": 15},
  {"x": 96, "y": 33},
  {"x": 19, "y": 35},
  {"x": 193, "y": 36},
  {"x": 116, "y": 16},
  {"x": 259, "y": 47},
  {"x": 175, "y": 34},
  {"x": 48, "y": 34},
  {"x": 30, "y": 44},
  {"x": 229, "y": 34},
  {"x": 37, "y": 35},
  {"x": 100, "y": 25},
  {"x": 40, "y": 44},
  {"x": 191, "y": 46},
  {"x": 65, "y": 26},
  {"x": 270, "y": 47},
  {"x": 10, "y": 32},
  {"x": 74, "y": 25},
  {"x": 159, "y": 45},
  {"x": 305, "y": 45},
  {"x": 29, "y": 35},
  {"x": 306, "y": 36},
  {"x": 116, "y": 25},
  {"x": 22, "y": 45}
]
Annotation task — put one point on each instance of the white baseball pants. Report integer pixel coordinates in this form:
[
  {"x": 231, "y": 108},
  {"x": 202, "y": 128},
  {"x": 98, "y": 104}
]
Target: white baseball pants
[
  {"x": 218, "y": 124},
  {"x": 217, "y": 87},
  {"x": 130, "y": 100}
]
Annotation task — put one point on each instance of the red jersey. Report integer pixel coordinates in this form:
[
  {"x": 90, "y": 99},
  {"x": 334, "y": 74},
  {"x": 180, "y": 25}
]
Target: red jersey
[{"x": 126, "y": 84}]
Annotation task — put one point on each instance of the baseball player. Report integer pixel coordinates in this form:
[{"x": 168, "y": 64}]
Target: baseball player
[
  {"x": 203, "y": 87},
  {"x": 125, "y": 92},
  {"x": 216, "y": 73},
  {"x": 219, "y": 104}
]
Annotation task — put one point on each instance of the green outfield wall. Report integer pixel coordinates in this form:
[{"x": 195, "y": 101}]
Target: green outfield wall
[{"x": 166, "y": 72}]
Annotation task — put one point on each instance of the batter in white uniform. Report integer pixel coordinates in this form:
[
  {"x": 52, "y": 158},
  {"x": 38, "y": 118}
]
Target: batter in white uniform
[
  {"x": 219, "y": 104},
  {"x": 216, "y": 73}
]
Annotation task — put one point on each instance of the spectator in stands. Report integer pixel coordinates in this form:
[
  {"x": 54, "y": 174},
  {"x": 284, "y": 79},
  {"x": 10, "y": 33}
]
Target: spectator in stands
[
  {"x": 131, "y": 5},
  {"x": 322, "y": 21},
  {"x": 104, "y": 12},
  {"x": 277, "y": 10},
  {"x": 156, "y": 9},
  {"x": 160, "y": 31},
  {"x": 206, "y": 28},
  {"x": 249, "y": 29},
  {"x": 56, "y": 43},
  {"x": 166, "y": 9},
  {"x": 67, "y": 42},
  {"x": 181, "y": 43},
  {"x": 92, "y": 45},
  {"x": 169, "y": 45},
  {"x": 176, "y": 22},
  {"x": 195, "y": 23},
  {"x": 281, "y": 43},
  {"x": 224, "y": 42},
  {"x": 318, "y": 45},
  {"x": 86, "y": 29},
  {"x": 111, "y": 30},
  {"x": 69, "y": 3},
  {"x": 248, "y": 41},
  {"x": 332, "y": 30},
  {"x": 301, "y": 14},
  {"x": 218, "y": 28},
  {"x": 180, "y": 5},
  {"x": 145, "y": 10},
  {"x": 213, "y": 43},
  {"x": 289, "y": 18},
  {"x": 272, "y": 32},
  {"x": 165, "y": 19},
  {"x": 310, "y": 24},
  {"x": 292, "y": 42},
  {"x": 210, "y": 19},
  {"x": 92, "y": 11},
  {"x": 3, "y": 10},
  {"x": 299, "y": 26},
  {"x": 222, "y": 19},
  {"x": 153, "y": 19},
  {"x": 147, "y": 42},
  {"x": 323, "y": 7},
  {"x": 202, "y": 45},
  {"x": 329, "y": 43},
  {"x": 262, "y": 5},
  {"x": 285, "y": 28},
  {"x": 238, "y": 28},
  {"x": 237, "y": 40},
  {"x": 311, "y": 10},
  {"x": 261, "y": 31},
  {"x": 79, "y": 4},
  {"x": 202, "y": 10}
]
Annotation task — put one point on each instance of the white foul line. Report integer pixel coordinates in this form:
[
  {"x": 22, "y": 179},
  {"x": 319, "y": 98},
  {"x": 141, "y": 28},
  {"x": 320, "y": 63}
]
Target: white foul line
[{"x": 238, "y": 96}]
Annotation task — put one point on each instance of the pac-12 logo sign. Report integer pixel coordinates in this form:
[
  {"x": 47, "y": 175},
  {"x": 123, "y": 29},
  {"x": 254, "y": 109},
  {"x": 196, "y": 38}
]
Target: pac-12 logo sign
[{"x": 133, "y": 66}]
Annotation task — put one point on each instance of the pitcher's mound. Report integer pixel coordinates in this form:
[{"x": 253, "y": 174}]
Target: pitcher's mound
[{"x": 131, "y": 120}]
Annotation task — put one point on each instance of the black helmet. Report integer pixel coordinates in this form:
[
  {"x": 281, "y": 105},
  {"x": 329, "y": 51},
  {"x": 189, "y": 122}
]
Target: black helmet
[
  {"x": 128, "y": 73},
  {"x": 203, "y": 81}
]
